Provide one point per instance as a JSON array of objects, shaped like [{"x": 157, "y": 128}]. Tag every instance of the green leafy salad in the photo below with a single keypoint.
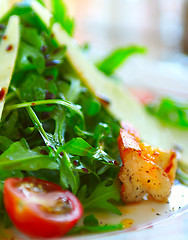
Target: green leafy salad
[{"x": 55, "y": 126}]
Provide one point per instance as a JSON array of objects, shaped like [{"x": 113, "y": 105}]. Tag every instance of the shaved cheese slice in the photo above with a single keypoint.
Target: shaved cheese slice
[
  {"x": 8, "y": 52},
  {"x": 4, "y": 7},
  {"x": 122, "y": 104},
  {"x": 44, "y": 14}
]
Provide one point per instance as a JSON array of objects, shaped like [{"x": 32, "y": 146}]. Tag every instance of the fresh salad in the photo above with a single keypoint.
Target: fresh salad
[{"x": 59, "y": 154}]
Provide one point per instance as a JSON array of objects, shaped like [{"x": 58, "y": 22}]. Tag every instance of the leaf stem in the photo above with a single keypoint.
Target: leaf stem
[
  {"x": 38, "y": 124},
  {"x": 64, "y": 103}
]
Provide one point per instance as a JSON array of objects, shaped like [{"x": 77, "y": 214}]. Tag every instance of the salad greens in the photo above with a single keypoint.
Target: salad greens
[
  {"x": 61, "y": 16},
  {"x": 171, "y": 111},
  {"x": 182, "y": 173},
  {"x": 117, "y": 57},
  {"x": 52, "y": 126},
  {"x": 100, "y": 196},
  {"x": 91, "y": 224}
]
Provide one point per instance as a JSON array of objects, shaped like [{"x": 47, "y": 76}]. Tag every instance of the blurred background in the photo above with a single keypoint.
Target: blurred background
[{"x": 160, "y": 25}]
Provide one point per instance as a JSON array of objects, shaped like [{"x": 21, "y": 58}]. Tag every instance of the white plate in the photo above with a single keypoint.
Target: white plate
[{"x": 149, "y": 220}]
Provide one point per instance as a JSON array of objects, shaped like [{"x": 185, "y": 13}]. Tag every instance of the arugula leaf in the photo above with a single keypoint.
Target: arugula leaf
[
  {"x": 51, "y": 73},
  {"x": 25, "y": 159},
  {"x": 32, "y": 37},
  {"x": 30, "y": 58},
  {"x": 100, "y": 197},
  {"x": 91, "y": 224},
  {"x": 61, "y": 16},
  {"x": 102, "y": 131},
  {"x": 5, "y": 143},
  {"x": 69, "y": 177},
  {"x": 78, "y": 147},
  {"x": 18, "y": 9},
  {"x": 33, "y": 88},
  {"x": 103, "y": 157},
  {"x": 117, "y": 57},
  {"x": 74, "y": 109},
  {"x": 4, "y": 174},
  {"x": 81, "y": 133},
  {"x": 41, "y": 2},
  {"x": 9, "y": 126},
  {"x": 74, "y": 91},
  {"x": 58, "y": 53},
  {"x": 90, "y": 221},
  {"x": 46, "y": 174},
  {"x": 60, "y": 125},
  {"x": 93, "y": 106},
  {"x": 171, "y": 111},
  {"x": 24, "y": 11}
]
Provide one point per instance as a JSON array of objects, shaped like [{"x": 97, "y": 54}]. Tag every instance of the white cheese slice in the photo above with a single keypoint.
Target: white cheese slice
[
  {"x": 4, "y": 5},
  {"x": 122, "y": 104},
  {"x": 44, "y": 14},
  {"x": 8, "y": 52}
]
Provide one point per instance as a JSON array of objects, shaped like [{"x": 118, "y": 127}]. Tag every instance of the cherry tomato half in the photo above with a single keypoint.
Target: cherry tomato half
[{"x": 39, "y": 208}]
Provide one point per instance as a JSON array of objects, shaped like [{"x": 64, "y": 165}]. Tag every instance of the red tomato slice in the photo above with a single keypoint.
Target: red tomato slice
[{"x": 39, "y": 208}]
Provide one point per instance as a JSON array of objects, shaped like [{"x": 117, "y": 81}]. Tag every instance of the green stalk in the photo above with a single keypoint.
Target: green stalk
[
  {"x": 10, "y": 96},
  {"x": 38, "y": 124},
  {"x": 64, "y": 103},
  {"x": 59, "y": 130},
  {"x": 63, "y": 161}
]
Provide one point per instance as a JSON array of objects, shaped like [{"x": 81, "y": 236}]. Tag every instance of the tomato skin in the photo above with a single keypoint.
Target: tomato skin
[{"x": 27, "y": 214}]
